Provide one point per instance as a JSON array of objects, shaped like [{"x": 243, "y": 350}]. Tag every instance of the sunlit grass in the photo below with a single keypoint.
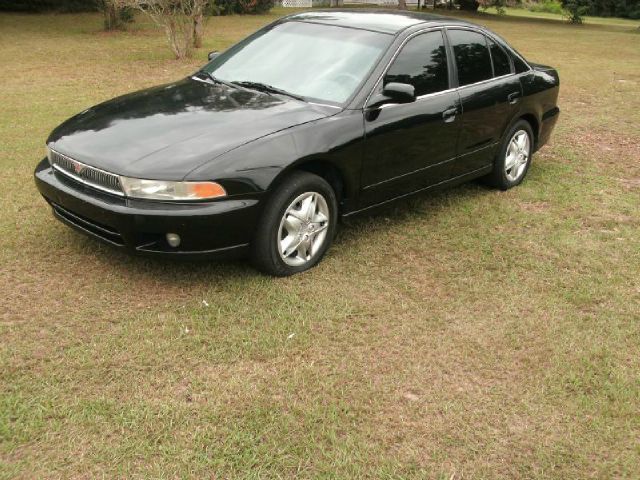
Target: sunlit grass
[{"x": 588, "y": 20}]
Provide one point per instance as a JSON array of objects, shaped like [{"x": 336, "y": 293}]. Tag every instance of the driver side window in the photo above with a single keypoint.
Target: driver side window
[{"x": 422, "y": 62}]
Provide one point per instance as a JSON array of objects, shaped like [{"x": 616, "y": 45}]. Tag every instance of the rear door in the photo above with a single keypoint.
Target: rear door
[
  {"x": 489, "y": 93},
  {"x": 506, "y": 83},
  {"x": 410, "y": 146}
]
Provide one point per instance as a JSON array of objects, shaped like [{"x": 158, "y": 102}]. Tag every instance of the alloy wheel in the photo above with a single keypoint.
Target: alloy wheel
[
  {"x": 303, "y": 228},
  {"x": 517, "y": 155}
]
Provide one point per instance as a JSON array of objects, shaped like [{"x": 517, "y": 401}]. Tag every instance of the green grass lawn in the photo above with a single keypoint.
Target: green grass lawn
[
  {"x": 588, "y": 20},
  {"x": 466, "y": 334}
]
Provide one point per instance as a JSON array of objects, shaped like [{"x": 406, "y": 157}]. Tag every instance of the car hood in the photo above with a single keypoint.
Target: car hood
[{"x": 167, "y": 131}]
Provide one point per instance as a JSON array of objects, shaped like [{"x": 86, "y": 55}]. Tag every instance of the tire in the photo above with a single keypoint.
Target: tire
[
  {"x": 519, "y": 155},
  {"x": 297, "y": 226}
]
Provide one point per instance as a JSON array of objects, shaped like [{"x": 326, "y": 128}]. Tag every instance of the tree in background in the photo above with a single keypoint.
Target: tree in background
[
  {"x": 116, "y": 13},
  {"x": 498, "y": 4},
  {"x": 182, "y": 21},
  {"x": 198, "y": 23},
  {"x": 62, "y": 6},
  {"x": 228, "y": 7},
  {"x": 576, "y": 9},
  {"x": 469, "y": 5},
  {"x": 615, "y": 8}
]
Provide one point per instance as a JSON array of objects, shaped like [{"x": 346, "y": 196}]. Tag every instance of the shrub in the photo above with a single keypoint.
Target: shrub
[
  {"x": 181, "y": 20},
  {"x": 49, "y": 5},
  {"x": 229, "y": 7},
  {"x": 615, "y": 8},
  {"x": 574, "y": 10},
  {"x": 469, "y": 5},
  {"x": 498, "y": 4}
]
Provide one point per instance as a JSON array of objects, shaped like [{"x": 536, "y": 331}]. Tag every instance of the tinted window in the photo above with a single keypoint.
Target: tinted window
[
  {"x": 501, "y": 64},
  {"x": 520, "y": 65},
  {"x": 422, "y": 62},
  {"x": 472, "y": 56}
]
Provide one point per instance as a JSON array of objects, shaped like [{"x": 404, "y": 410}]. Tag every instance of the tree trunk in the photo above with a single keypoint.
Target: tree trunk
[
  {"x": 110, "y": 16},
  {"x": 198, "y": 29},
  {"x": 402, "y": 4}
]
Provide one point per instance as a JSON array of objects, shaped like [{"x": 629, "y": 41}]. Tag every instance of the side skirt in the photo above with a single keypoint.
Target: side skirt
[{"x": 436, "y": 186}]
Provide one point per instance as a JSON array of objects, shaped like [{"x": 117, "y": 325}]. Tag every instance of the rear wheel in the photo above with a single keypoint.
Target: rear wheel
[
  {"x": 297, "y": 227},
  {"x": 514, "y": 157}
]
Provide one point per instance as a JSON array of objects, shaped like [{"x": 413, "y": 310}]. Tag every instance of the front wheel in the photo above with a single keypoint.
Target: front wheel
[
  {"x": 514, "y": 157},
  {"x": 297, "y": 226}
]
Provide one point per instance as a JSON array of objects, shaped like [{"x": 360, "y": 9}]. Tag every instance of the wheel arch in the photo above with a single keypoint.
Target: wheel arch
[
  {"x": 325, "y": 169},
  {"x": 535, "y": 126}
]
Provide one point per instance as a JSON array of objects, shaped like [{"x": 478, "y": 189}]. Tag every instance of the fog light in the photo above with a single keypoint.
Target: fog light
[{"x": 173, "y": 239}]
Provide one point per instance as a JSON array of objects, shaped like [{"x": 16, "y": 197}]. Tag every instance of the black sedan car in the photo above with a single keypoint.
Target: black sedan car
[{"x": 317, "y": 116}]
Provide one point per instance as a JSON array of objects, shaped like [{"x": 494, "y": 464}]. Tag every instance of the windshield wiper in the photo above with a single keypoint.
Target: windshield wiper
[
  {"x": 216, "y": 79},
  {"x": 263, "y": 87}
]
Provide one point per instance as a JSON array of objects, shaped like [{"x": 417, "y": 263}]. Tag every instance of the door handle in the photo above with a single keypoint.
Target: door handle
[
  {"x": 513, "y": 97},
  {"x": 449, "y": 115}
]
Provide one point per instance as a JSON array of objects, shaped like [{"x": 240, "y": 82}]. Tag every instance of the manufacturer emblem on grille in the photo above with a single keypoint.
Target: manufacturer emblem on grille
[
  {"x": 86, "y": 174},
  {"x": 77, "y": 167}
]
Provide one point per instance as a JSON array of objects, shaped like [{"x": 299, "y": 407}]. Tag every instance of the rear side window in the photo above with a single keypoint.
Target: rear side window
[
  {"x": 519, "y": 64},
  {"x": 501, "y": 63},
  {"x": 422, "y": 62},
  {"x": 472, "y": 56}
]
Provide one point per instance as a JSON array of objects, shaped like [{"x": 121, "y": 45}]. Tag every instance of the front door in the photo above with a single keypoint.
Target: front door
[{"x": 410, "y": 146}]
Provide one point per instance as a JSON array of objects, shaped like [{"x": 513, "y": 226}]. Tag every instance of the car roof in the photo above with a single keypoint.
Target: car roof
[{"x": 384, "y": 21}]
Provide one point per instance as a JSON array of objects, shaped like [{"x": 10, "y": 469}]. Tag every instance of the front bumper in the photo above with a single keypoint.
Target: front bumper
[{"x": 222, "y": 228}]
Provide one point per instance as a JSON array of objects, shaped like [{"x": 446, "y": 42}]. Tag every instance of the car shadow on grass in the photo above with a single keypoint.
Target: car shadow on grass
[{"x": 371, "y": 226}]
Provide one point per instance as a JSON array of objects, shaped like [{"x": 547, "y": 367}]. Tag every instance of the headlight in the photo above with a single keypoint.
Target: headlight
[
  {"x": 159, "y": 190},
  {"x": 49, "y": 154}
]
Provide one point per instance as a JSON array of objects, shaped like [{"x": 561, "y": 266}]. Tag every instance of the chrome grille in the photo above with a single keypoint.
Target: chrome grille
[{"x": 86, "y": 174}]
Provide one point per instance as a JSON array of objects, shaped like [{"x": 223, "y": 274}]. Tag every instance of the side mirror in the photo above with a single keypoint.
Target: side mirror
[
  {"x": 394, "y": 92},
  {"x": 213, "y": 54}
]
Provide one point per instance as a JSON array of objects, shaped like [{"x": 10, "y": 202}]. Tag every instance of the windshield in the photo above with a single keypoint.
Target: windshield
[{"x": 318, "y": 62}]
